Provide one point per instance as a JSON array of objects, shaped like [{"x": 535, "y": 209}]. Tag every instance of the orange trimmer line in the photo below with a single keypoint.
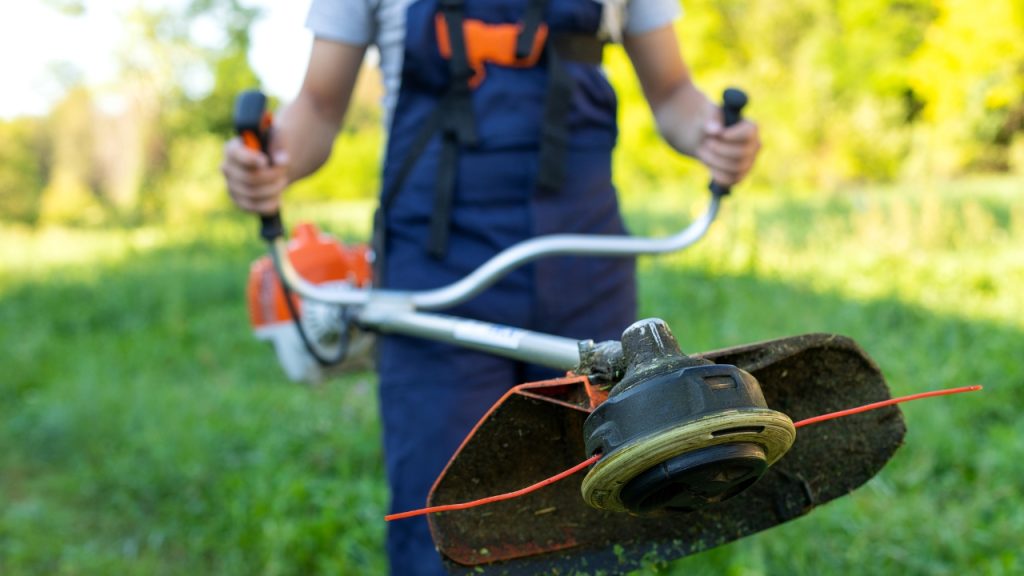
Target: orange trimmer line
[
  {"x": 507, "y": 496},
  {"x": 593, "y": 459},
  {"x": 883, "y": 404}
]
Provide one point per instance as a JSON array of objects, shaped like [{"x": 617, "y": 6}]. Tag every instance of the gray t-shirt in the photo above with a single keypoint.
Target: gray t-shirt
[{"x": 382, "y": 23}]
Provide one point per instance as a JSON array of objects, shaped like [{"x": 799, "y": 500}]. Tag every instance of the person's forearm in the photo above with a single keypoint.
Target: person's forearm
[
  {"x": 686, "y": 119},
  {"x": 681, "y": 115},
  {"x": 308, "y": 130},
  {"x": 307, "y": 127},
  {"x": 680, "y": 109}
]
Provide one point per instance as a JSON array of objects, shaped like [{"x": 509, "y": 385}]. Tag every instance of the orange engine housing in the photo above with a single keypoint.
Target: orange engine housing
[{"x": 318, "y": 258}]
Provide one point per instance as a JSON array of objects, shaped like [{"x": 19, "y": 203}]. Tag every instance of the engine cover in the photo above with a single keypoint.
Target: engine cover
[{"x": 320, "y": 259}]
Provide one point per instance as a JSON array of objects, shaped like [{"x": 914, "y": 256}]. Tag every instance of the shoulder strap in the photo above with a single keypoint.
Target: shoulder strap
[
  {"x": 555, "y": 127},
  {"x": 457, "y": 127},
  {"x": 532, "y": 19},
  {"x": 453, "y": 118}
]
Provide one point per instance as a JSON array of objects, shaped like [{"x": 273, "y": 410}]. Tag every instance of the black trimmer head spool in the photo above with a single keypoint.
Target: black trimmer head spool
[
  {"x": 696, "y": 479},
  {"x": 678, "y": 433}
]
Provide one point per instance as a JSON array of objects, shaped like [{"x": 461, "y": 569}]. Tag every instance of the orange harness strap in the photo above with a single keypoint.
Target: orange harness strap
[{"x": 490, "y": 44}]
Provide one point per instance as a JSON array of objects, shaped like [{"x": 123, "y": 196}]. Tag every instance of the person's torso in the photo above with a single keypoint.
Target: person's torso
[
  {"x": 509, "y": 104},
  {"x": 410, "y": 59}
]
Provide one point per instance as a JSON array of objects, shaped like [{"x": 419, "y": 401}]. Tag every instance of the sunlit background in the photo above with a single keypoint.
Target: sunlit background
[
  {"x": 51, "y": 43},
  {"x": 144, "y": 431}
]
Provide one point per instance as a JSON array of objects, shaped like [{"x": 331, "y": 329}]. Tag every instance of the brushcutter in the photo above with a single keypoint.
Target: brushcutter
[{"x": 690, "y": 451}]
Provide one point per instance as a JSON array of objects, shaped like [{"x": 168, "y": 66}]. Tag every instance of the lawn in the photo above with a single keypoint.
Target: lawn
[{"x": 144, "y": 431}]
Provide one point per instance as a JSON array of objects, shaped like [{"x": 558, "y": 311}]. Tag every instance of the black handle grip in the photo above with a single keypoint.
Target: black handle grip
[
  {"x": 252, "y": 124},
  {"x": 733, "y": 101}
]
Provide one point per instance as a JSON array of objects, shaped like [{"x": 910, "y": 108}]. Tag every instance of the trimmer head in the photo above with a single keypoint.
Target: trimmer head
[
  {"x": 537, "y": 430},
  {"x": 678, "y": 433},
  {"x": 696, "y": 479}
]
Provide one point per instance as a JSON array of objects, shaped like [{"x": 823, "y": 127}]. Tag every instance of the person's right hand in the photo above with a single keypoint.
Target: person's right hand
[{"x": 255, "y": 185}]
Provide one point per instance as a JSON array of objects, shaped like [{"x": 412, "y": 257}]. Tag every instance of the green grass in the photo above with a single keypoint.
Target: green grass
[{"x": 143, "y": 430}]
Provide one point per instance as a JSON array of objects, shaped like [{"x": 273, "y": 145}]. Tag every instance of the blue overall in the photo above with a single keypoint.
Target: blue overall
[{"x": 432, "y": 394}]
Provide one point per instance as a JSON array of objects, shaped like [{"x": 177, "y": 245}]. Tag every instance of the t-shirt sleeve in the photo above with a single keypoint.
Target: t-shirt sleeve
[
  {"x": 646, "y": 15},
  {"x": 348, "y": 21}
]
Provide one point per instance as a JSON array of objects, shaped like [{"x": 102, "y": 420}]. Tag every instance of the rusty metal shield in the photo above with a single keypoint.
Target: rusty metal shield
[{"x": 536, "y": 430}]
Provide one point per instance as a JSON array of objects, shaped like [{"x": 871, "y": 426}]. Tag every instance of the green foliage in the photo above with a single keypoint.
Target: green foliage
[
  {"x": 144, "y": 431},
  {"x": 828, "y": 84},
  {"x": 925, "y": 281},
  {"x": 147, "y": 432},
  {"x": 192, "y": 186},
  {"x": 849, "y": 92},
  {"x": 168, "y": 60},
  {"x": 228, "y": 64},
  {"x": 24, "y": 160},
  {"x": 116, "y": 149},
  {"x": 846, "y": 93},
  {"x": 212, "y": 114},
  {"x": 970, "y": 73},
  {"x": 69, "y": 196}
]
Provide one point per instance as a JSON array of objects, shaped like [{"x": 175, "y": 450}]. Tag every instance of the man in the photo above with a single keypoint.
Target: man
[{"x": 501, "y": 128}]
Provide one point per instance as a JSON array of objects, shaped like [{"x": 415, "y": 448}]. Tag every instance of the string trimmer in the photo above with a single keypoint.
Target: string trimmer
[{"x": 688, "y": 451}]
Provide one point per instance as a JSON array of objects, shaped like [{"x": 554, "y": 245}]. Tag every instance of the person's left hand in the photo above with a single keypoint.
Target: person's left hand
[{"x": 729, "y": 152}]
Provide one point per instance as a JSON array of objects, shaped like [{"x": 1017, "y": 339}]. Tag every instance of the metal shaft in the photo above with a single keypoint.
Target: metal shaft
[{"x": 533, "y": 347}]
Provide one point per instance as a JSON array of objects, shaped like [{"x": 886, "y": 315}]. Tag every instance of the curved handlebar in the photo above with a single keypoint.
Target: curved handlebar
[
  {"x": 499, "y": 265},
  {"x": 519, "y": 254}
]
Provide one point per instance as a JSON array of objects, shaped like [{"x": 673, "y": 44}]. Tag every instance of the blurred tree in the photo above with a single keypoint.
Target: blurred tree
[
  {"x": 123, "y": 149},
  {"x": 229, "y": 63},
  {"x": 181, "y": 67},
  {"x": 969, "y": 71},
  {"x": 828, "y": 81},
  {"x": 845, "y": 91},
  {"x": 24, "y": 163},
  {"x": 70, "y": 196}
]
